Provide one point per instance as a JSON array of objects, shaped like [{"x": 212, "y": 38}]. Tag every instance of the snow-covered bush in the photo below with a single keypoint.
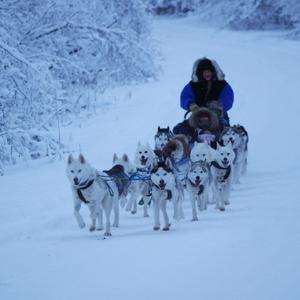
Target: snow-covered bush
[
  {"x": 237, "y": 14},
  {"x": 170, "y": 7},
  {"x": 54, "y": 53}
]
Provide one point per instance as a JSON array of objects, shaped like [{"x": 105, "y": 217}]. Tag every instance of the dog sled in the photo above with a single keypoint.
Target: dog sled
[{"x": 203, "y": 126}]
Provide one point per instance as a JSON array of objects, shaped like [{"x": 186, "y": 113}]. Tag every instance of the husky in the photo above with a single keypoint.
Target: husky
[
  {"x": 162, "y": 136},
  {"x": 221, "y": 169},
  {"x": 232, "y": 135},
  {"x": 244, "y": 146},
  {"x": 198, "y": 186},
  {"x": 163, "y": 189},
  {"x": 98, "y": 194},
  {"x": 178, "y": 151},
  {"x": 202, "y": 152},
  {"x": 140, "y": 185},
  {"x": 129, "y": 170}
]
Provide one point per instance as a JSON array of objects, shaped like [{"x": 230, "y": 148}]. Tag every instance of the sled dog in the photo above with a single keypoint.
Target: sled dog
[
  {"x": 140, "y": 186},
  {"x": 198, "y": 186},
  {"x": 129, "y": 170},
  {"x": 177, "y": 150},
  {"x": 93, "y": 191},
  {"x": 221, "y": 169},
  {"x": 162, "y": 136},
  {"x": 202, "y": 152},
  {"x": 244, "y": 146},
  {"x": 232, "y": 135},
  {"x": 163, "y": 189}
]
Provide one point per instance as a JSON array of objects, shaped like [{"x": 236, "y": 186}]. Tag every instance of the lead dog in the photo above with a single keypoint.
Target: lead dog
[
  {"x": 198, "y": 187},
  {"x": 163, "y": 189},
  {"x": 93, "y": 191},
  {"x": 140, "y": 186},
  {"x": 221, "y": 169}
]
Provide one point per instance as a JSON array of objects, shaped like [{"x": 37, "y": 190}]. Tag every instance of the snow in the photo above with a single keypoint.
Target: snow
[{"x": 250, "y": 251}]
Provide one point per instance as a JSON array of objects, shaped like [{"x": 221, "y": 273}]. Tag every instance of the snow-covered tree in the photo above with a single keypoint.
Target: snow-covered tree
[{"x": 51, "y": 51}]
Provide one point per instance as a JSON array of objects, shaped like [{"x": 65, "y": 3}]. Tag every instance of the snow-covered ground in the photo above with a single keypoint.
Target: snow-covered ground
[{"x": 250, "y": 251}]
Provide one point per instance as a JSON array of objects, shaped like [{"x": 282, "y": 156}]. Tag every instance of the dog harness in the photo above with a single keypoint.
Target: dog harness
[
  {"x": 84, "y": 186},
  {"x": 228, "y": 170}
]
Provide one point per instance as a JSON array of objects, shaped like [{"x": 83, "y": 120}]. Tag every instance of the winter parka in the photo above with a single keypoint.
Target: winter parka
[{"x": 196, "y": 90}]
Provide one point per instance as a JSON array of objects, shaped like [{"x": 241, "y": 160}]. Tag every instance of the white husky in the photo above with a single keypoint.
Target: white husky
[
  {"x": 163, "y": 189},
  {"x": 202, "y": 152},
  {"x": 140, "y": 185},
  {"x": 95, "y": 192},
  {"x": 198, "y": 186},
  {"x": 221, "y": 169}
]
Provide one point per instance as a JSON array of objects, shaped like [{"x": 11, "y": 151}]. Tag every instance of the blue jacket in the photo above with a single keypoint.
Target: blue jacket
[{"x": 188, "y": 97}]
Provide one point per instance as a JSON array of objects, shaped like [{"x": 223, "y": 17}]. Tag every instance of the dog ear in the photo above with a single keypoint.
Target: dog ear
[
  {"x": 158, "y": 128},
  {"x": 81, "y": 158},
  {"x": 155, "y": 163},
  {"x": 115, "y": 157},
  {"x": 70, "y": 159},
  {"x": 125, "y": 157},
  {"x": 168, "y": 163}
]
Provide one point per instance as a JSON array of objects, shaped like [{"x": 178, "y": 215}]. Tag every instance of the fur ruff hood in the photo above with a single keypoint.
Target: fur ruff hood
[
  {"x": 194, "y": 119},
  {"x": 218, "y": 71}
]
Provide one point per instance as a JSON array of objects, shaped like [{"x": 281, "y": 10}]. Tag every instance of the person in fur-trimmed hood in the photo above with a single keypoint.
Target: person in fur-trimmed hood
[{"x": 208, "y": 85}]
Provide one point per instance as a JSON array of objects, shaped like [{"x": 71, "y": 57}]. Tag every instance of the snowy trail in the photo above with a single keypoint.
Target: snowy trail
[{"x": 251, "y": 251}]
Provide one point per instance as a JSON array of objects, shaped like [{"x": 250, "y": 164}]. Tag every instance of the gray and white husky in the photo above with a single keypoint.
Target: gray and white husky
[
  {"x": 198, "y": 187},
  {"x": 221, "y": 169},
  {"x": 162, "y": 136},
  {"x": 244, "y": 146},
  {"x": 163, "y": 189},
  {"x": 234, "y": 136},
  {"x": 177, "y": 150},
  {"x": 93, "y": 191}
]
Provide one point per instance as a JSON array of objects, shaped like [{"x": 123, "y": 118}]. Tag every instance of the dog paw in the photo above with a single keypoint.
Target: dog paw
[
  {"x": 166, "y": 228},
  {"x": 222, "y": 208},
  {"x": 146, "y": 215},
  {"x": 115, "y": 225},
  {"x": 195, "y": 219},
  {"x": 107, "y": 234},
  {"x": 81, "y": 225},
  {"x": 99, "y": 228},
  {"x": 156, "y": 228},
  {"x": 227, "y": 203},
  {"x": 133, "y": 212},
  {"x": 92, "y": 228}
]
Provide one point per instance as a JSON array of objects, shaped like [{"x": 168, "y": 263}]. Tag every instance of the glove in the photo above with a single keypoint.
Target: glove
[{"x": 194, "y": 107}]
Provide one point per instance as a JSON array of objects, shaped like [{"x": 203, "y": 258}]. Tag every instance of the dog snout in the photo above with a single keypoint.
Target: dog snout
[
  {"x": 225, "y": 159},
  {"x": 76, "y": 181},
  {"x": 231, "y": 140},
  {"x": 161, "y": 182},
  {"x": 197, "y": 178}
]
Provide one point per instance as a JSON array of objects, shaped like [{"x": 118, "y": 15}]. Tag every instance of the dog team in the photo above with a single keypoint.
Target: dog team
[{"x": 169, "y": 173}]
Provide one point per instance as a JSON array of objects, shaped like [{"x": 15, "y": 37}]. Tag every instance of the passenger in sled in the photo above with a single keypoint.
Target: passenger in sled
[{"x": 208, "y": 97}]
